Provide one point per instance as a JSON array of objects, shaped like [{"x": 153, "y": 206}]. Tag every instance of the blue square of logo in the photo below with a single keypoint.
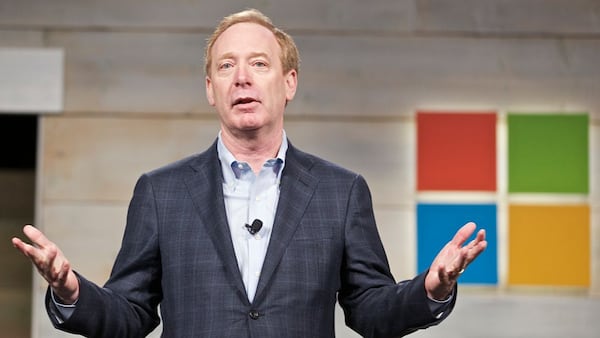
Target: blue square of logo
[{"x": 436, "y": 226}]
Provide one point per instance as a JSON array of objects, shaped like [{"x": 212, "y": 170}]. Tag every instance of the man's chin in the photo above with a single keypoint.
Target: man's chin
[
  {"x": 250, "y": 122},
  {"x": 248, "y": 129}
]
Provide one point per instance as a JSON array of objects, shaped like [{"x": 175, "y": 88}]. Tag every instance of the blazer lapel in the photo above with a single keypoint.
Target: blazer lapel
[
  {"x": 206, "y": 190},
  {"x": 297, "y": 188}
]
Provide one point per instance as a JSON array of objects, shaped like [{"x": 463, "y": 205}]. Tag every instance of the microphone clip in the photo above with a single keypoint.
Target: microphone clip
[{"x": 254, "y": 227}]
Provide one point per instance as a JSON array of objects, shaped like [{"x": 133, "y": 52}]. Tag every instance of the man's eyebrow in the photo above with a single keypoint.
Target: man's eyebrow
[
  {"x": 231, "y": 55},
  {"x": 228, "y": 55},
  {"x": 260, "y": 54}
]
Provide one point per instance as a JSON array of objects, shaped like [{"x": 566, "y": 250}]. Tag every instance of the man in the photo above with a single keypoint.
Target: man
[{"x": 251, "y": 238}]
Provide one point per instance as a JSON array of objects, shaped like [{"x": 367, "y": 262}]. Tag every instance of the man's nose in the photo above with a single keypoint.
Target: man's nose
[{"x": 243, "y": 77}]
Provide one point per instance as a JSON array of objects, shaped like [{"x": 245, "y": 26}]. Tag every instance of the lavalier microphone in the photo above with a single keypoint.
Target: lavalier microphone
[{"x": 255, "y": 227}]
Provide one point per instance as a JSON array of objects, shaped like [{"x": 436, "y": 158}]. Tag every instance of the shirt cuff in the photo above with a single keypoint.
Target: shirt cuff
[
  {"x": 438, "y": 307},
  {"x": 63, "y": 311}
]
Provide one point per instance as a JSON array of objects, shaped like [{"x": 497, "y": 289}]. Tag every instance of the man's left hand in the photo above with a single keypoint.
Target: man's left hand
[{"x": 452, "y": 261}]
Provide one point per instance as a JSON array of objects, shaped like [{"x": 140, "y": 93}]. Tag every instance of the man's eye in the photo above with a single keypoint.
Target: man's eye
[
  {"x": 260, "y": 64},
  {"x": 225, "y": 65}
]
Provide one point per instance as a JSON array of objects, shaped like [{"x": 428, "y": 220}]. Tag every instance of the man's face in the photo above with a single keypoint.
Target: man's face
[{"x": 246, "y": 84}]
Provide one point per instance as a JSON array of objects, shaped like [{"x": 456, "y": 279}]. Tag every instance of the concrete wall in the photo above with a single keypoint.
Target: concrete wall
[
  {"x": 16, "y": 208},
  {"x": 134, "y": 96}
]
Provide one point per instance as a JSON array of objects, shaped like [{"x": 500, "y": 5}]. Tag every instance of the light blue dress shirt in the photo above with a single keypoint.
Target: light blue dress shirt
[{"x": 249, "y": 196}]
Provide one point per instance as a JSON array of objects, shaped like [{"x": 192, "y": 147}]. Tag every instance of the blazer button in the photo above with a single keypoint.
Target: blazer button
[{"x": 254, "y": 314}]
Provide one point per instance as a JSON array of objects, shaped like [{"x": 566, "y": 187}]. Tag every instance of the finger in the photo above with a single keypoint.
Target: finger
[
  {"x": 463, "y": 234},
  {"x": 474, "y": 252},
  {"x": 44, "y": 259},
  {"x": 63, "y": 273},
  {"x": 52, "y": 261},
  {"x": 449, "y": 275},
  {"x": 453, "y": 265},
  {"x": 26, "y": 249},
  {"x": 443, "y": 274},
  {"x": 480, "y": 235},
  {"x": 53, "y": 269},
  {"x": 36, "y": 236},
  {"x": 479, "y": 238},
  {"x": 460, "y": 262}
]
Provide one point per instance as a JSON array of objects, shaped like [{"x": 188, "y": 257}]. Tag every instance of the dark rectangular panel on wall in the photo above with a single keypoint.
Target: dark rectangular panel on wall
[{"x": 18, "y": 141}]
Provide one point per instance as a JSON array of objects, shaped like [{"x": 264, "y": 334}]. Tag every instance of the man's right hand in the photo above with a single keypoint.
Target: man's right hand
[{"x": 51, "y": 263}]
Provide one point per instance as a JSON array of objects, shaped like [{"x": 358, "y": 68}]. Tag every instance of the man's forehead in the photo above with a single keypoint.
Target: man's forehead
[{"x": 240, "y": 34}]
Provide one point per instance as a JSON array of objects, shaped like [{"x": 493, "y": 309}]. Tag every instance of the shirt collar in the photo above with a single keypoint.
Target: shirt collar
[{"x": 228, "y": 161}]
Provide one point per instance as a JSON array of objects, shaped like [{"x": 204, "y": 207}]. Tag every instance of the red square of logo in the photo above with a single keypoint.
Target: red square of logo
[{"x": 456, "y": 151}]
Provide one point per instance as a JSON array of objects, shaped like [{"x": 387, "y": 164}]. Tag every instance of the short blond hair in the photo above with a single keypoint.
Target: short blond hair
[{"x": 290, "y": 58}]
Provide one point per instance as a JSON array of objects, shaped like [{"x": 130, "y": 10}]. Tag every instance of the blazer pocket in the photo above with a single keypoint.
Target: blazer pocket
[{"x": 313, "y": 233}]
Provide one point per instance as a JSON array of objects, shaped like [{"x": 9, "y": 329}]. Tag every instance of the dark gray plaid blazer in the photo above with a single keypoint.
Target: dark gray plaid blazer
[{"x": 177, "y": 252}]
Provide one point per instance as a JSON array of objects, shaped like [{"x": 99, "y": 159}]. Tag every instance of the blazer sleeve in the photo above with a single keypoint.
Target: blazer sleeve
[
  {"x": 374, "y": 304},
  {"x": 127, "y": 305}
]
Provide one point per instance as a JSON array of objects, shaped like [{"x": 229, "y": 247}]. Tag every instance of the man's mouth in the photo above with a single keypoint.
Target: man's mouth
[{"x": 244, "y": 100}]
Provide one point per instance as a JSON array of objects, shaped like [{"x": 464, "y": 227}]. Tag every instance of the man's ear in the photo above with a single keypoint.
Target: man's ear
[
  {"x": 291, "y": 83},
  {"x": 209, "y": 91}
]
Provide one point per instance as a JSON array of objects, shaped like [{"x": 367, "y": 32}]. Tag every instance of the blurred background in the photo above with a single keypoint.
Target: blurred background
[{"x": 454, "y": 111}]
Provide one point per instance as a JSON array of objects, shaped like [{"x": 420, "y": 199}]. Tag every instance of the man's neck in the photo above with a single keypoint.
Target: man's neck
[{"x": 253, "y": 149}]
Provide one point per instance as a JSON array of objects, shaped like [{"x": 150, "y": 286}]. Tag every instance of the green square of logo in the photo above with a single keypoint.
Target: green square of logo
[{"x": 548, "y": 153}]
